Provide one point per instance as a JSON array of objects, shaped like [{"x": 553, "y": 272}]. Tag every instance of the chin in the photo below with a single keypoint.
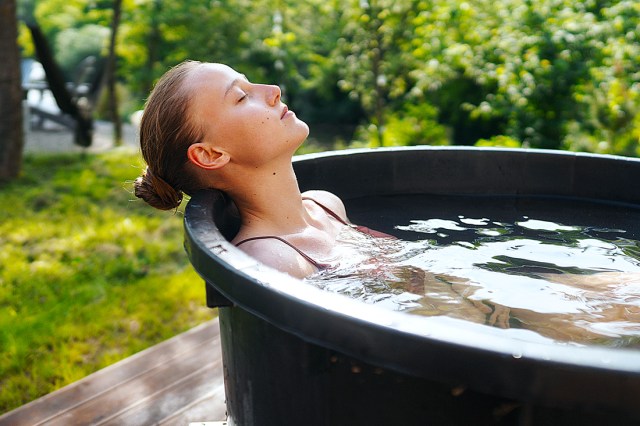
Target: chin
[
  {"x": 303, "y": 124},
  {"x": 304, "y": 129}
]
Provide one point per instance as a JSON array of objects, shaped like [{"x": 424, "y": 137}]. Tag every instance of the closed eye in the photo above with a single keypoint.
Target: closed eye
[{"x": 242, "y": 98}]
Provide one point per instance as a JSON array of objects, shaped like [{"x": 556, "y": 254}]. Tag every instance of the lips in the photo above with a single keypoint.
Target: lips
[{"x": 285, "y": 110}]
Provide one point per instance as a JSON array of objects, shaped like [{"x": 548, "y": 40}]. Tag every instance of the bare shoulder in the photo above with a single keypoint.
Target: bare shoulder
[
  {"x": 329, "y": 200},
  {"x": 278, "y": 255}
]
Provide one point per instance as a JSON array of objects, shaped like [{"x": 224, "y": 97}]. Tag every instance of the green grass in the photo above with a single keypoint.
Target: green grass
[{"x": 88, "y": 274}]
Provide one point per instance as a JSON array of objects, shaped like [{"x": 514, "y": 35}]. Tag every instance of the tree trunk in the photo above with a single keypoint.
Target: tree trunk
[
  {"x": 153, "y": 43},
  {"x": 11, "y": 133},
  {"x": 111, "y": 75},
  {"x": 83, "y": 134}
]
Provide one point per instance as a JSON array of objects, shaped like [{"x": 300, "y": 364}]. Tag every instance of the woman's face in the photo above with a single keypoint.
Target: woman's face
[{"x": 247, "y": 120}]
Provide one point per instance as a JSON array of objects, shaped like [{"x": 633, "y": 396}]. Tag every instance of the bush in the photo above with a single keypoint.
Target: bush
[
  {"x": 414, "y": 125},
  {"x": 499, "y": 141}
]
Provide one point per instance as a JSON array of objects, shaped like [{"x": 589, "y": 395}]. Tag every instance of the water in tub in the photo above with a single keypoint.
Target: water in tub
[{"x": 571, "y": 282}]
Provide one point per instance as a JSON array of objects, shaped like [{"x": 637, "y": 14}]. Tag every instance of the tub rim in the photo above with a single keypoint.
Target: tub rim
[{"x": 374, "y": 334}]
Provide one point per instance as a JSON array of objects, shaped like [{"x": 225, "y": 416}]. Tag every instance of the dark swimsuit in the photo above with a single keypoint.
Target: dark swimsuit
[{"x": 331, "y": 213}]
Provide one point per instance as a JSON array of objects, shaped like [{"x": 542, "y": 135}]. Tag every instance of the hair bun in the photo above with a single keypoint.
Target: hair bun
[{"x": 156, "y": 191}]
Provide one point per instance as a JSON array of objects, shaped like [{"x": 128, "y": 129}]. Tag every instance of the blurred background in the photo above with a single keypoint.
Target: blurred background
[{"x": 545, "y": 74}]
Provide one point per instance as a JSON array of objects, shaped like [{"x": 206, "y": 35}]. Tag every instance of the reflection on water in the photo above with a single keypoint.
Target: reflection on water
[{"x": 568, "y": 282}]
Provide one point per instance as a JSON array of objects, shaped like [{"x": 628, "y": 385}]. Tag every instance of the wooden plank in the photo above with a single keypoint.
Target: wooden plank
[
  {"x": 95, "y": 410},
  {"x": 210, "y": 406},
  {"x": 178, "y": 399},
  {"x": 123, "y": 382}
]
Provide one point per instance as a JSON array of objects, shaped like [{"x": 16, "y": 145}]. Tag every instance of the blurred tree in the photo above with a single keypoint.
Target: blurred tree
[
  {"x": 110, "y": 74},
  {"x": 70, "y": 45},
  {"x": 373, "y": 64},
  {"x": 299, "y": 53},
  {"x": 529, "y": 70},
  {"x": 68, "y": 100},
  {"x": 158, "y": 34},
  {"x": 11, "y": 130},
  {"x": 73, "y": 45},
  {"x": 548, "y": 74}
]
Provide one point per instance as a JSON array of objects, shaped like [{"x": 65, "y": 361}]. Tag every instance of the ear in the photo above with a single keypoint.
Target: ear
[{"x": 207, "y": 157}]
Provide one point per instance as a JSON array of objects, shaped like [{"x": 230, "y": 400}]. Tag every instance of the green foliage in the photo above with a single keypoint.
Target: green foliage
[
  {"x": 549, "y": 73},
  {"x": 55, "y": 16},
  {"x": 75, "y": 44},
  {"x": 499, "y": 141},
  {"x": 537, "y": 65},
  {"x": 612, "y": 122},
  {"x": 88, "y": 276},
  {"x": 416, "y": 125},
  {"x": 371, "y": 55}
]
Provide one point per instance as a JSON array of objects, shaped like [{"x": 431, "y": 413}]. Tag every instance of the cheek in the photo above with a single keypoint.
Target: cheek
[
  {"x": 233, "y": 128},
  {"x": 251, "y": 119},
  {"x": 261, "y": 125}
]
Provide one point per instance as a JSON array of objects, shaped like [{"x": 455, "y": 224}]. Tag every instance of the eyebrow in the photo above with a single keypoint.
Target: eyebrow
[{"x": 234, "y": 83}]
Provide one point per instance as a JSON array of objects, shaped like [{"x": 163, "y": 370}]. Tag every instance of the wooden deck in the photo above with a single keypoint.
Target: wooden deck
[{"x": 173, "y": 383}]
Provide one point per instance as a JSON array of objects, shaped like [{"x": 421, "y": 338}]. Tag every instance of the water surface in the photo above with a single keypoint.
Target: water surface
[{"x": 567, "y": 270}]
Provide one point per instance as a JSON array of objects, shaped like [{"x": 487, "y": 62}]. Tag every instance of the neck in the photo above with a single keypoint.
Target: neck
[{"x": 269, "y": 200}]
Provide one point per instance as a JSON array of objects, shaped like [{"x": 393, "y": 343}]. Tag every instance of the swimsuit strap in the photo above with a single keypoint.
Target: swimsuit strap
[
  {"x": 300, "y": 252},
  {"x": 333, "y": 214},
  {"x": 329, "y": 211},
  {"x": 363, "y": 229}
]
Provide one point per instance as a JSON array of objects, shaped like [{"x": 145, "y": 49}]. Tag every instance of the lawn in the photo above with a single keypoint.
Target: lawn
[{"x": 89, "y": 274}]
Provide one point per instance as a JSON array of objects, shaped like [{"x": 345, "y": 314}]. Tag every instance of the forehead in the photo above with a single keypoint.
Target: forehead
[
  {"x": 211, "y": 78},
  {"x": 207, "y": 85}
]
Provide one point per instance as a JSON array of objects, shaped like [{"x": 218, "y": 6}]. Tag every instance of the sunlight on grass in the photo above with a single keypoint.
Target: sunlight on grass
[{"x": 88, "y": 274}]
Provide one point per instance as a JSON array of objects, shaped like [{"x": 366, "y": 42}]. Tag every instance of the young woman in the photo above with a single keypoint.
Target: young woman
[{"x": 206, "y": 126}]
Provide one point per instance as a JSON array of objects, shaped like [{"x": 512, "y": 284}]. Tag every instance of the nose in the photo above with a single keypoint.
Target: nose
[{"x": 273, "y": 95}]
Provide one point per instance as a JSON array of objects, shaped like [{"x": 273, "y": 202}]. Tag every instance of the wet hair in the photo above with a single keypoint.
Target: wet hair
[{"x": 166, "y": 132}]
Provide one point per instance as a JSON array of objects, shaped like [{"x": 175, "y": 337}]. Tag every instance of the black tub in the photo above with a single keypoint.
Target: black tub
[{"x": 295, "y": 355}]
